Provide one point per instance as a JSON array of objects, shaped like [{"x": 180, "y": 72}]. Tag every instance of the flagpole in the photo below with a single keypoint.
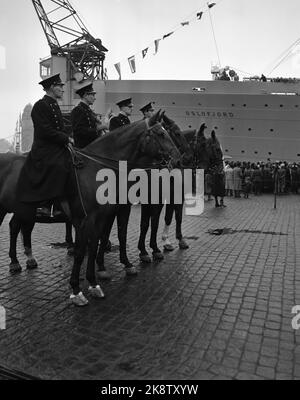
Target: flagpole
[{"x": 212, "y": 27}]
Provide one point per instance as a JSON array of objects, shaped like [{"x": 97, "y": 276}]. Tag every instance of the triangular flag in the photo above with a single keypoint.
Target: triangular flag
[
  {"x": 156, "y": 43},
  {"x": 118, "y": 68},
  {"x": 199, "y": 14},
  {"x": 185, "y": 23},
  {"x": 144, "y": 52},
  {"x": 211, "y": 5},
  {"x": 131, "y": 61},
  {"x": 167, "y": 35}
]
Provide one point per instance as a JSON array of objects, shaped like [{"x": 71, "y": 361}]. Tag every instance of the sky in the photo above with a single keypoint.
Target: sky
[{"x": 250, "y": 36}]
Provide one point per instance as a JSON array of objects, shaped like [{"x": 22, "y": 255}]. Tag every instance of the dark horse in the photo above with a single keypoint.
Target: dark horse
[
  {"x": 192, "y": 145},
  {"x": 152, "y": 212},
  {"x": 142, "y": 144},
  {"x": 216, "y": 169}
]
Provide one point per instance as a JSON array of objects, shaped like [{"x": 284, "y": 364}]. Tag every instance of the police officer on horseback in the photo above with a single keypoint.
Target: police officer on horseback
[
  {"x": 125, "y": 112},
  {"x": 87, "y": 126},
  {"x": 147, "y": 110},
  {"x": 46, "y": 171}
]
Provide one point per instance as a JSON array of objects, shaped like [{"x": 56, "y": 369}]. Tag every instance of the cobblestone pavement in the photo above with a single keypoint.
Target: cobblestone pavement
[{"x": 220, "y": 310}]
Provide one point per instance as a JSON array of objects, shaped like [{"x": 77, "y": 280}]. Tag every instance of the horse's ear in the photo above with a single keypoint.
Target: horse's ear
[
  {"x": 167, "y": 120},
  {"x": 153, "y": 120}
]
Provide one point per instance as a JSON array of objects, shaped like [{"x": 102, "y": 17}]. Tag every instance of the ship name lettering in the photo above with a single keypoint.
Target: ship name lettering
[{"x": 218, "y": 114}]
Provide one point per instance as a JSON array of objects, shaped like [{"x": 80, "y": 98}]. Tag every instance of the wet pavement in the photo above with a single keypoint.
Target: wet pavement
[{"x": 219, "y": 310}]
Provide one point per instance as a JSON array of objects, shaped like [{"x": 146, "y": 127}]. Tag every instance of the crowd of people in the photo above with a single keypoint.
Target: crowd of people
[{"x": 243, "y": 178}]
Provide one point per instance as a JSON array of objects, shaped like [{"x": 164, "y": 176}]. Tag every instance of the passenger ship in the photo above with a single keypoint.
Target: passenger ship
[{"x": 254, "y": 120}]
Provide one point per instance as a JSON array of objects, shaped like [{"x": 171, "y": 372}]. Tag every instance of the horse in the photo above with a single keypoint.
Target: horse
[
  {"x": 144, "y": 145},
  {"x": 216, "y": 169},
  {"x": 192, "y": 145}
]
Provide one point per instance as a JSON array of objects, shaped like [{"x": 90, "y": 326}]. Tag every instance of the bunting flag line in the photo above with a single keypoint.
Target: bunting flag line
[
  {"x": 131, "y": 61},
  {"x": 156, "y": 44},
  {"x": 118, "y": 68},
  {"x": 144, "y": 52},
  {"x": 167, "y": 35}
]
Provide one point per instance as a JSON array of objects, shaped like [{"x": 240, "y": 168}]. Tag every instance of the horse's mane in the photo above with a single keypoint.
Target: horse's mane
[{"x": 116, "y": 133}]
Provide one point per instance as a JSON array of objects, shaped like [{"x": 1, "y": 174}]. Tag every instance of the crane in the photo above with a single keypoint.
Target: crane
[{"x": 68, "y": 37}]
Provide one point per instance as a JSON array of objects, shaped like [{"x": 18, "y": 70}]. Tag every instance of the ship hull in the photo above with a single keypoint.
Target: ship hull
[{"x": 254, "y": 121}]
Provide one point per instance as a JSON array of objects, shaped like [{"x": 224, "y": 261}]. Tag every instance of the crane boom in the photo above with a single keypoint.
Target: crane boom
[{"x": 68, "y": 36}]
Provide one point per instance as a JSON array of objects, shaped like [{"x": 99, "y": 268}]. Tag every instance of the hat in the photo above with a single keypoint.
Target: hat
[
  {"x": 124, "y": 103},
  {"x": 147, "y": 107},
  {"x": 86, "y": 87},
  {"x": 51, "y": 80}
]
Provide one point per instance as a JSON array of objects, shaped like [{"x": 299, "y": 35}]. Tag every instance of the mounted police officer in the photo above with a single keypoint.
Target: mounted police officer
[
  {"x": 147, "y": 110},
  {"x": 45, "y": 173},
  {"x": 125, "y": 112},
  {"x": 86, "y": 125}
]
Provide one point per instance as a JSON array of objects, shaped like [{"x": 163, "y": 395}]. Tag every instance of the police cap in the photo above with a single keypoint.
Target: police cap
[
  {"x": 147, "y": 107},
  {"x": 125, "y": 103},
  {"x": 85, "y": 88},
  {"x": 51, "y": 80}
]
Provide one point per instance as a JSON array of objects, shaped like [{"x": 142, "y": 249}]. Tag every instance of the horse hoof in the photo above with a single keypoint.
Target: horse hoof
[
  {"x": 14, "y": 268},
  {"x": 79, "y": 300},
  {"x": 102, "y": 274},
  {"x": 158, "y": 256},
  {"x": 96, "y": 292},
  {"x": 183, "y": 244},
  {"x": 31, "y": 264},
  {"x": 168, "y": 247},
  {"x": 145, "y": 258},
  {"x": 131, "y": 271}
]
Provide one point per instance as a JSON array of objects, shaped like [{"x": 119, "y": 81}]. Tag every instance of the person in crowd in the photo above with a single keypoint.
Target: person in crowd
[
  {"x": 229, "y": 185},
  {"x": 237, "y": 179}
]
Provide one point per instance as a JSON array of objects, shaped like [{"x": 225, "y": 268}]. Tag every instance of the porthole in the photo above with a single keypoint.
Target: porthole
[
  {"x": 281, "y": 105},
  {"x": 174, "y": 102},
  {"x": 215, "y": 127},
  {"x": 296, "y": 106},
  {"x": 244, "y": 105},
  {"x": 232, "y": 105},
  {"x": 232, "y": 129},
  {"x": 266, "y": 105},
  {"x": 270, "y": 153},
  {"x": 243, "y": 151},
  {"x": 298, "y": 155},
  {"x": 199, "y": 104},
  {"x": 256, "y": 152},
  {"x": 272, "y": 130},
  {"x": 190, "y": 126},
  {"x": 226, "y": 150},
  {"x": 250, "y": 129}
]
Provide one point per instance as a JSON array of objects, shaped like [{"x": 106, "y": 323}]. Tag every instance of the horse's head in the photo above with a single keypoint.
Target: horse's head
[
  {"x": 214, "y": 150},
  {"x": 157, "y": 143},
  {"x": 198, "y": 143},
  {"x": 179, "y": 140}
]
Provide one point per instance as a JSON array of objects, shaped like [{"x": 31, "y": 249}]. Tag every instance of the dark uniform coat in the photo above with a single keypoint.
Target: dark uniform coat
[
  {"x": 117, "y": 122},
  {"x": 84, "y": 125},
  {"x": 46, "y": 170}
]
